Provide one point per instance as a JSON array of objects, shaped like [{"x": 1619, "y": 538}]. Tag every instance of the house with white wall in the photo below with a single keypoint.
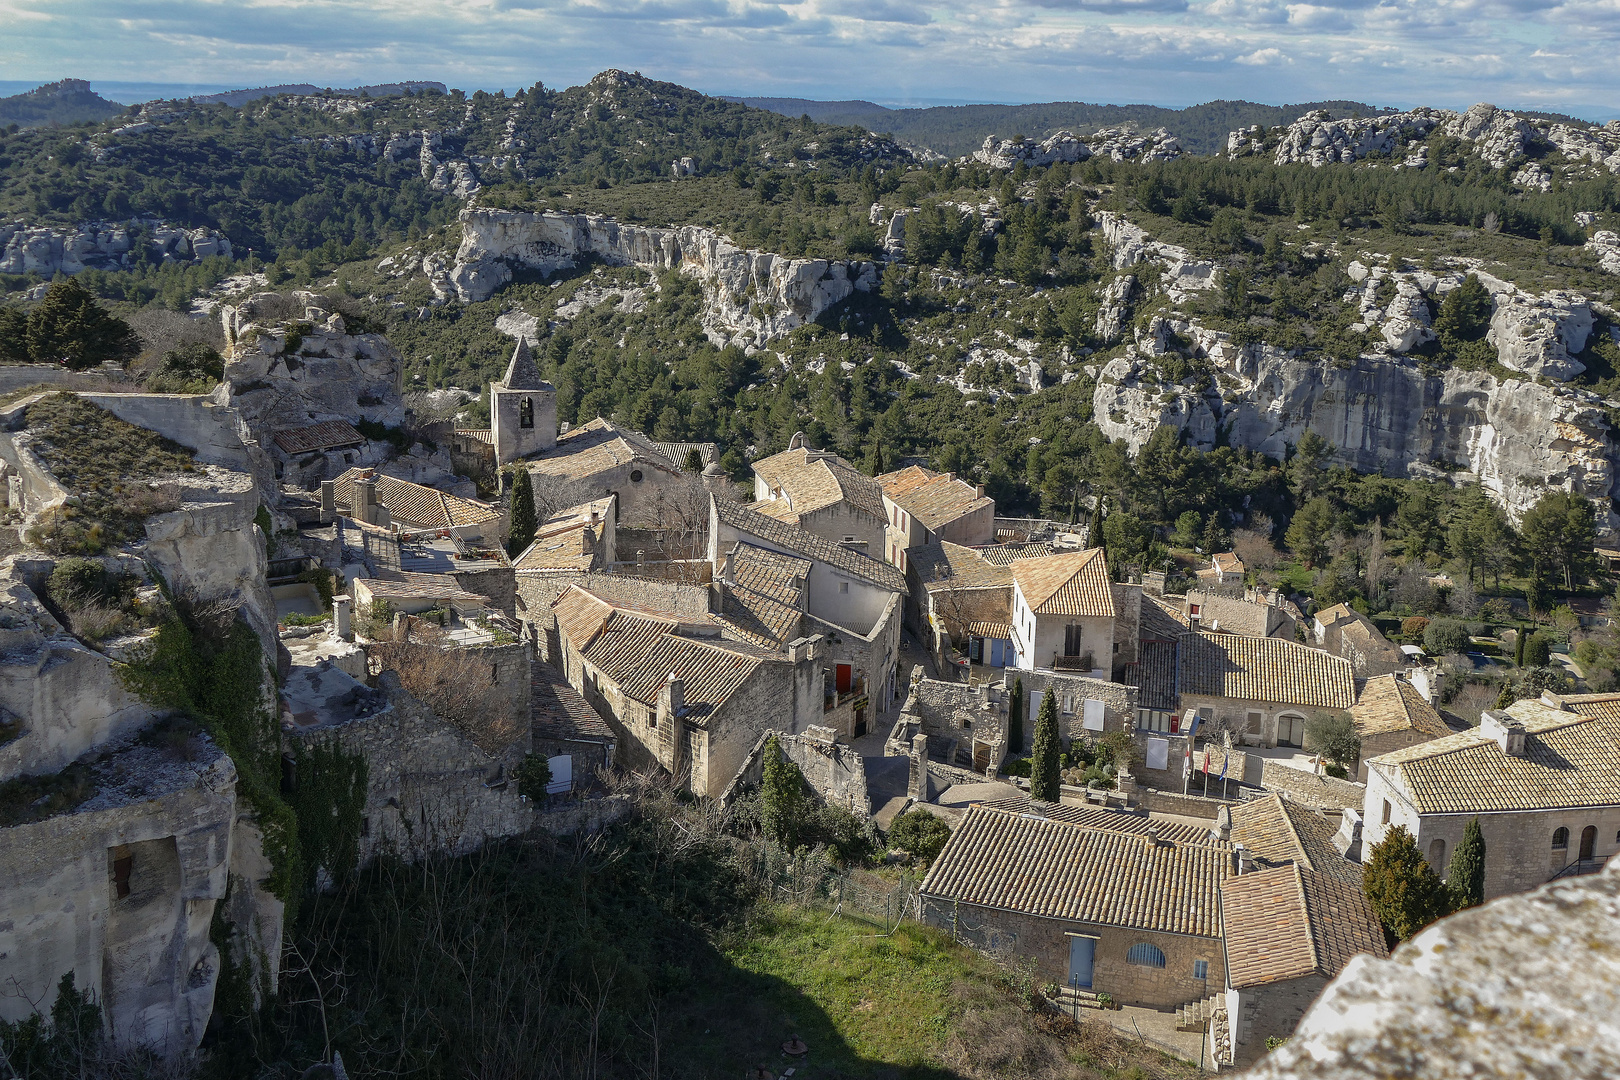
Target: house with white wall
[
  {"x": 925, "y": 507},
  {"x": 821, "y": 493},
  {"x": 1063, "y": 613}
]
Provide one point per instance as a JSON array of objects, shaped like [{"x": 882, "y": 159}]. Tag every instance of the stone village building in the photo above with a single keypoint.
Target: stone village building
[
  {"x": 821, "y": 493},
  {"x": 924, "y": 507},
  {"x": 1542, "y": 776}
]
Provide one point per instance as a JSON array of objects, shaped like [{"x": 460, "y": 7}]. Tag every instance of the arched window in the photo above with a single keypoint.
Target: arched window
[
  {"x": 1588, "y": 842},
  {"x": 1437, "y": 857},
  {"x": 1560, "y": 838},
  {"x": 526, "y": 413},
  {"x": 1144, "y": 955}
]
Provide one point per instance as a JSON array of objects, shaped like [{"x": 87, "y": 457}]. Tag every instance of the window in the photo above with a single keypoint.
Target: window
[
  {"x": 526, "y": 413},
  {"x": 843, "y": 586},
  {"x": 635, "y": 476},
  {"x": 1200, "y": 969},
  {"x": 849, "y": 539},
  {"x": 1255, "y": 720},
  {"x": 1560, "y": 838},
  {"x": 1068, "y": 704},
  {"x": 1071, "y": 640},
  {"x": 1437, "y": 857},
  {"x": 1144, "y": 955},
  {"x": 1386, "y": 822},
  {"x": 123, "y": 865}
]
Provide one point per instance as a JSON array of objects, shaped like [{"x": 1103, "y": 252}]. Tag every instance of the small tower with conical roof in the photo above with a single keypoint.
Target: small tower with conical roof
[{"x": 522, "y": 409}]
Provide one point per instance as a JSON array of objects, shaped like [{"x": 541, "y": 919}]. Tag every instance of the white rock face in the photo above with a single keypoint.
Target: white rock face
[
  {"x": 278, "y": 381},
  {"x": 1382, "y": 413},
  {"x": 1606, "y": 245},
  {"x": 1131, "y": 245},
  {"x": 1316, "y": 140},
  {"x": 1123, "y": 144},
  {"x": 1524, "y": 986},
  {"x": 1115, "y": 305},
  {"x": 750, "y": 296},
  {"x": 104, "y": 245},
  {"x": 1539, "y": 335}
]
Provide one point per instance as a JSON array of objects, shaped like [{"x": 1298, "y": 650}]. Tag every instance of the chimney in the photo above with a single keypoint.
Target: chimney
[
  {"x": 978, "y": 491},
  {"x": 328, "y": 500},
  {"x": 1153, "y": 836},
  {"x": 365, "y": 499},
  {"x": 587, "y": 539},
  {"x": 1242, "y": 860},
  {"x": 1223, "y": 823},
  {"x": 1507, "y": 731},
  {"x": 677, "y": 694},
  {"x": 343, "y": 617}
]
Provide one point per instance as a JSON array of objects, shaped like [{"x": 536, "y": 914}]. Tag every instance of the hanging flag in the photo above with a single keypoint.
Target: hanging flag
[
  {"x": 1206, "y": 764},
  {"x": 1225, "y": 761}
]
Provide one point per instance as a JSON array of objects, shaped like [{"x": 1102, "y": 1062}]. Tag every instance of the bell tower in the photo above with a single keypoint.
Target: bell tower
[{"x": 522, "y": 409}]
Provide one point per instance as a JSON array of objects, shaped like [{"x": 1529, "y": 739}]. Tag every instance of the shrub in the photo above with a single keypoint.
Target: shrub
[
  {"x": 191, "y": 369},
  {"x": 1537, "y": 650},
  {"x": 1333, "y": 735},
  {"x": 1445, "y": 636},
  {"x": 1412, "y": 627},
  {"x": 1405, "y": 892},
  {"x": 533, "y": 774},
  {"x": 920, "y": 833},
  {"x": 1016, "y": 767}
]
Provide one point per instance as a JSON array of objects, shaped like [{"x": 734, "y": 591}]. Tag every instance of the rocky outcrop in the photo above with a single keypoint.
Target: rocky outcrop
[
  {"x": 1606, "y": 246},
  {"x": 1115, "y": 307},
  {"x": 1383, "y": 414},
  {"x": 282, "y": 374},
  {"x": 102, "y": 245},
  {"x": 749, "y": 296},
  {"x": 1499, "y": 137},
  {"x": 1120, "y": 144},
  {"x": 1130, "y": 244}
]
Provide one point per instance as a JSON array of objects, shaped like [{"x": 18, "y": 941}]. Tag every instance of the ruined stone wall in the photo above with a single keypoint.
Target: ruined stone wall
[
  {"x": 431, "y": 788},
  {"x": 1127, "y": 627},
  {"x": 835, "y": 772},
  {"x": 873, "y": 655},
  {"x": 484, "y": 691},
  {"x": 1302, "y": 787},
  {"x": 1119, "y": 702}
]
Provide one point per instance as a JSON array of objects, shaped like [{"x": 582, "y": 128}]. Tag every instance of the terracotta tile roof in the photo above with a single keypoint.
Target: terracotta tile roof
[
  {"x": 759, "y": 619},
  {"x": 1263, "y": 669},
  {"x": 1390, "y": 703},
  {"x": 1277, "y": 831},
  {"x": 1098, "y": 817},
  {"x": 403, "y": 585},
  {"x": 708, "y": 453},
  {"x": 984, "y": 629},
  {"x": 815, "y": 479},
  {"x": 1007, "y": 554},
  {"x": 1603, "y": 706},
  {"x": 1569, "y": 760},
  {"x": 559, "y": 541},
  {"x": 935, "y": 499},
  {"x": 1074, "y": 583},
  {"x": 1335, "y": 614},
  {"x": 596, "y": 447},
  {"x": 769, "y": 573},
  {"x": 1164, "y": 618},
  {"x": 413, "y": 505},
  {"x": 808, "y": 545},
  {"x": 559, "y": 712},
  {"x": 638, "y": 651},
  {"x": 944, "y": 565},
  {"x": 1226, "y": 562},
  {"x": 318, "y": 437},
  {"x": 1290, "y": 922},
  {"x": 1155, "y": 675},
  {"x": 1059, "y": 870},
  {"x": 483, "y": 435}
]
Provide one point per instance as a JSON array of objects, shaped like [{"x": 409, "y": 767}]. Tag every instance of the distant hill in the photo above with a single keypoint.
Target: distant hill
[
  {"x": 955, "y": 130},
  {"x": 70, "y": 101},
  {"x": 238, "y": 98}
]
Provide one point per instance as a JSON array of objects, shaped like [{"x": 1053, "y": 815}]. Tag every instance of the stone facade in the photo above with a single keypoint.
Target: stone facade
[
  {"x": 1046, "y": 942},
  {"x": 962, "y": 723},
  {"x": 1073, "y": 691},
  {"x": 835, "y": 772},
  {"x": 1272, "y": 1011}
]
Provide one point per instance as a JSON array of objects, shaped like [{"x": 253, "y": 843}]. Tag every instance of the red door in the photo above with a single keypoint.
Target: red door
[{"x": 846, "y": 678}]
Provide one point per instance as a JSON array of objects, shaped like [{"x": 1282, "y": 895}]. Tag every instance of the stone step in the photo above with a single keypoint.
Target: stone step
[{"x": 1192, "y": 1016}]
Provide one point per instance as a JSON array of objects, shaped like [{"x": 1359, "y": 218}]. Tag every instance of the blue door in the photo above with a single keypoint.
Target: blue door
[
  {"x": 996, "y": 658},
  {"x": 1082, "y": 951}
]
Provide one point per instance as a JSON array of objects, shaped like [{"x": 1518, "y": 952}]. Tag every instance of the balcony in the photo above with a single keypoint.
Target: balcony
[{"x": 1083, "y": 662}]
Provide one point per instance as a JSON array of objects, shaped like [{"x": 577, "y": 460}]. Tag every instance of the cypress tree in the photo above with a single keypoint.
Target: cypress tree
[
  {"x": 524, "y": 519},
  {"x": 1044, "y": 779},
  {"x": 1015, "y": 717},
  {"x": 1467, "y": 881},
  {"x": 781, "y": 796},
  {"x": 1518, "y": 647},
  {"x": 1405, "y": 892}
]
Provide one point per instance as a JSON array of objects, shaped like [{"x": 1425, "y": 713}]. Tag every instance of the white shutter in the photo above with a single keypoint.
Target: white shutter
[
  {"x": 1158, "y": 753},
  {"x": 1093, "y": 715},
  {"x": 562, "y": 773}
]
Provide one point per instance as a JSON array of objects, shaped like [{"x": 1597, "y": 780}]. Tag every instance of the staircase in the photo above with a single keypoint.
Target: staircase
[{"x": 1193, "y": 1015}]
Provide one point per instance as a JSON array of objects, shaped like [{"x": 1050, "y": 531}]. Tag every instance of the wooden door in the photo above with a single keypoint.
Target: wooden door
[
  {"x": 1588, "y": 842},
  {"x": 846, "y": 678}
]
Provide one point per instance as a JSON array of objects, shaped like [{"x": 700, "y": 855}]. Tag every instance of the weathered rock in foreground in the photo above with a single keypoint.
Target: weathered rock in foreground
[{"x": 1525, "y": 986}]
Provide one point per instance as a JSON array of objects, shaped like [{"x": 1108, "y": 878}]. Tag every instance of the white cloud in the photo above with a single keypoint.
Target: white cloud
[{"x": 1448, "y": 52}]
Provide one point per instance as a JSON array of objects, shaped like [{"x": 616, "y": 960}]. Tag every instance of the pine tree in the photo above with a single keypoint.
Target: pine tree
[
  {"x": 1405, "y": 892},
  {"x": 524, "y": 519},
  {"x": 1044, "y": 780},
  {"x": 68, "y": 326},
  {"x": 693, "y": 462},
  {"x": 1467, "y": 881},
  {"x": 1015, "y": 717},
  {"x": 781, "y": 796}
]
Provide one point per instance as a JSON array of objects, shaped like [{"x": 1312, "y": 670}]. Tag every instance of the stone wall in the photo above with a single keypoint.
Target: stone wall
[
  {"x": 872, "y": 656},
  {"x": 1270, "y": 1011},
  {"x": 1159, "y": 801},
  {"x": 1119, "y": 702},
  {"x": 1046, "y": 942},
  {"x": 537, "y": 591},
  {"x": 1127, "y": 628},
  {"x": 484, "y": 691},
  {"x": 498, "y": 583},
  {"x": 135, "y": 934},
  {"x": 431, "y": 788},
  {"x": 834, "y": 771},
  {"x": 1328, "y": 792},
  {"x": 584, "y": 816}
]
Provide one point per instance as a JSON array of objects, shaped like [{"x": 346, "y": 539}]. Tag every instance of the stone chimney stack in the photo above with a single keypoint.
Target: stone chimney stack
[
  {"x": 365, "y": 499},
  {"x": 1242, "y": 860},
  {"x": 343, "y": 617},
  {"x": 328, "y": 501},
  {"x": 918, "y": 786},
  {"x": 1152, "y": 836},
  {"x": 676, "y": 688},
  {"x": 1223, "y": 823},
  {"x": 1507, "y": 731}
]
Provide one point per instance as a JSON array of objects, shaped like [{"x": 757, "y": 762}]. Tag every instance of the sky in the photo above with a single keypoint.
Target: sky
[{"x": 1525, "y": 53}]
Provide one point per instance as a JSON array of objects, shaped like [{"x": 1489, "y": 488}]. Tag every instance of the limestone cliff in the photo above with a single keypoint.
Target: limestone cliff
[
  {"x": 1517, "y": 437},
  {"x": 104, "y": 245},
  {"x": 751, "y": 296}
]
